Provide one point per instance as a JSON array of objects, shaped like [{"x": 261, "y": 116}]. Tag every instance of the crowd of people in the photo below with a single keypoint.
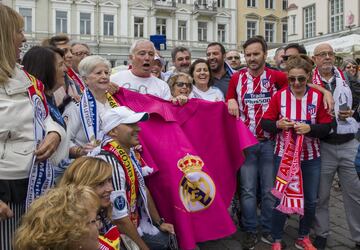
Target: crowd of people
[{"x": 80, "y": 169}]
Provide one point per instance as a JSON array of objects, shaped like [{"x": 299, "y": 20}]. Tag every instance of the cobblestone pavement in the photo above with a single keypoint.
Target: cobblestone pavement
[{"x": 338, "y": 240}]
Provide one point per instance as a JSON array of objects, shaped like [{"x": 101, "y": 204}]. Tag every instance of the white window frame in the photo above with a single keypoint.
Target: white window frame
[
  {"x": 253, "y": 3},
  {"x": 202, "y": 31},
  {"x": 285, "y": 33},
  {"x": 182, "y": 31},
  {"x": 256, "y": 28},
  {"x": 221, "y": 3},
  {"x": 27, "y": 23},
  {"x": 336, "y": 16},
  {"x": 67, "y": 22},
  {"x": 138, "y": 27},
  {"x": 108, "y": 27},
  {"x": 273, "y": 32},
  {"x": 221, "y": 33},
  {"x": 161, "y": 26},
  {"x": 309, "y": 19},
  {"x": 86, "y": 24},
  {"x": 270, "y": 4},
  {"x": 293, "y": 24}
]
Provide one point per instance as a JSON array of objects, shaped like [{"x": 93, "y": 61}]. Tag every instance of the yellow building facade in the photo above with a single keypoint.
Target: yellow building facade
[{"x": 267, "y": 18}]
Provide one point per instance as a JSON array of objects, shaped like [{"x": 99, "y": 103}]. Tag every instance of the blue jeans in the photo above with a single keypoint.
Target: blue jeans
[
  {"x": 311, "y": 178},
  {"x": 259, "y": 161},
  {"x": 158, "y": 241}
]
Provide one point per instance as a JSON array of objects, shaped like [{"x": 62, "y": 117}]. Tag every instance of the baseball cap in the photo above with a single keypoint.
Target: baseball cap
[{"x": 121, "y": 115}]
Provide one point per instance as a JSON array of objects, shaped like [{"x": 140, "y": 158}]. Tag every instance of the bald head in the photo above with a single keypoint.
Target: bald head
[{"x": 324, "y": 58}]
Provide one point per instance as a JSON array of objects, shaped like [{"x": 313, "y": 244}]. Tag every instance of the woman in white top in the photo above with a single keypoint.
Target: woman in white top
[
  {"x": 203, "y": 86},
  {"x": 83, "y": 118}
]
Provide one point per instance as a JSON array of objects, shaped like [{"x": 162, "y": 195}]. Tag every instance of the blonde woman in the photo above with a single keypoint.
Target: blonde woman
[
  {"x": 97, "y": 174},
  {"x": 64, "y": 218}
]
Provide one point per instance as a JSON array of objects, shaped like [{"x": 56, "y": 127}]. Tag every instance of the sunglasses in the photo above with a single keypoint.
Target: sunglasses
[
  {"x": 351, "y": 66},
  {"x": 233, "y": 58},
  {"x": 300, "y": 79},
  {"x": 182, "y": 84}
]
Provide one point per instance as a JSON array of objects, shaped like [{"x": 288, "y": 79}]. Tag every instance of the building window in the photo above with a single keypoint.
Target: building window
[
  {"x": 309, "y": 21},
  {"x": 27, "y": 15},
  {"x": 284, "y": 4},
  {"x": 221, "y": 3},
  {"x": 202, "y": 31},
  {"x": 61, "y": 21},
  {"x": 269, "y": 4},
  {"x": 161, "y": 26},
  {"x": 182, "y": 1},
  {"x": 251, "y": 29},
  {"x": 284, "y": 32},
  {"x": 108, "y": 25},
  {"x": 251, "y": 3},
  {"x": 181, "y": 30},
  {"x": 221, "y": 33},
  {"x": 293, "y": 24},
  {"x": 336, "y": 15},
  {"x": 269, "y": 32},
  {"x": 85, "y": 23},
  {"x": 139, "y": 27}
]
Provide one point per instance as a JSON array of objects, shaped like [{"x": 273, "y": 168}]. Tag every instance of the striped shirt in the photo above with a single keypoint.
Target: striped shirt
[
  {"x": 309, "y": 109},
  {"x": 253, "y": 95}
]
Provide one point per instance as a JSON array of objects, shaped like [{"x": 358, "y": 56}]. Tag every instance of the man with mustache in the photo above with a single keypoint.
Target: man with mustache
[
  {"x": 139, "y": 77},
  {"x": 181, "y": 59},
  {"x": 249, "y": 93},
  {"x": 221, "y": 72},
  {"x": 338, "y": 149}
]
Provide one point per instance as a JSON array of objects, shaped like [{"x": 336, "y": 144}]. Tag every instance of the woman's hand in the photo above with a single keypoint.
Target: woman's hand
[
  {"x": 284, "y": 124},
  {"x": 180, "y": 99},
  {"x": 302, "y": 128},
  {"x": 113, "y": 88},
  {"x": 233, "y": 108},
  {"x": 328, "y": 101},
  {"x": 167, "y": 227},
  {"x": 5, "y": 211},
  {"x": 48, "y": 146}
]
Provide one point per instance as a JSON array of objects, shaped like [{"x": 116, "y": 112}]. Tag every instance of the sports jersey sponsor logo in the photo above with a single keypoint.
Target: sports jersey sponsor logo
[{"x": 261, "y": 98}]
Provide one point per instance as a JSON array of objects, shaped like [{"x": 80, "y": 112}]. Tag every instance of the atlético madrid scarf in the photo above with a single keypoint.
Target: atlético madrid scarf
[{"x": 288, "y": 183}]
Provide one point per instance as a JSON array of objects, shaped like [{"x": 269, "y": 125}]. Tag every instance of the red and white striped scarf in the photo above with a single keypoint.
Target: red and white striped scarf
[{"x": 289, "y": 183}]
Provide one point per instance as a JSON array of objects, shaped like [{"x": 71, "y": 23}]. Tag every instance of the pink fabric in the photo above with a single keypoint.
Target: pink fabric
[{"x": 199, "y": 128}]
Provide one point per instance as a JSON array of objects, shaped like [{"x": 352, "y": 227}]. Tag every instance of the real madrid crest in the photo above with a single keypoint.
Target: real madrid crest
[{"x": 196, "y": 189}]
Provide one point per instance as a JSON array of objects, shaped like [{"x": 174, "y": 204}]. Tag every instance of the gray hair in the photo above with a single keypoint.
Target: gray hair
[
  {"x": 87, "y": 65},
  {"x": 137, "y": 42},
  {"x": 80, "y": 43}
]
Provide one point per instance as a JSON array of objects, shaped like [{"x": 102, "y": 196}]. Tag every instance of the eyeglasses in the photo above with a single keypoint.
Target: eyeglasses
[
  {"x": 81, "y": 53},
  {"x": 351, "y": 66},
  {"x": 325, "y": 54},
  {"x": 300, "y": 79},
  {"x": 182, "y": 84},
  {"x": 233, "y": 58}
]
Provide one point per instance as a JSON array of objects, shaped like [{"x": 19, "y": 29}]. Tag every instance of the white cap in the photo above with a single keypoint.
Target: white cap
[{"x": 121, "y": 115}]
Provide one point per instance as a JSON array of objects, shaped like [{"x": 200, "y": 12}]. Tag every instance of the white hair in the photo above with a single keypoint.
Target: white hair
[
  {"x": 137, "y": 42},
  {"x": 87, "y": 65}
]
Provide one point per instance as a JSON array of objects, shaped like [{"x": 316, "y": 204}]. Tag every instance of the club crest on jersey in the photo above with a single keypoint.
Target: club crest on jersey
[
  {"x": 265, "y": 83},
  {"x": 311, "y": 109},
  {"x": 196, "y": 189}
]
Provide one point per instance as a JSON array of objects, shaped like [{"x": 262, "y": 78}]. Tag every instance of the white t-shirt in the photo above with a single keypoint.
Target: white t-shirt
[
  {"x": 144, "y": 85},
  {"x": 213, "y": 94}
]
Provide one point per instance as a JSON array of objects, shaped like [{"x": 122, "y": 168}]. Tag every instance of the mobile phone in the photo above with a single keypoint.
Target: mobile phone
[{"x": 343, "y": 107}]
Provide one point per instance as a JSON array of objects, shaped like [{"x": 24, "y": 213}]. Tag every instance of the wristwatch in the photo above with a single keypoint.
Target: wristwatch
[{"x": 159, "y": 223}]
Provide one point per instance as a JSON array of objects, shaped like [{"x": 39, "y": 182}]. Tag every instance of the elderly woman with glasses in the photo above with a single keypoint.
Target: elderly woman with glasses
[
  {"x": 203, "y": 85},
  {"x": 298, "y": 118}
]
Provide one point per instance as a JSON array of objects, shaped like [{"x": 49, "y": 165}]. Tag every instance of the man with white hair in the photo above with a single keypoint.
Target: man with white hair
[
  {"x": 338, "y": 149},
  {"x": 139, "y": 77},
  {"x": 233, "y": 59}
]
